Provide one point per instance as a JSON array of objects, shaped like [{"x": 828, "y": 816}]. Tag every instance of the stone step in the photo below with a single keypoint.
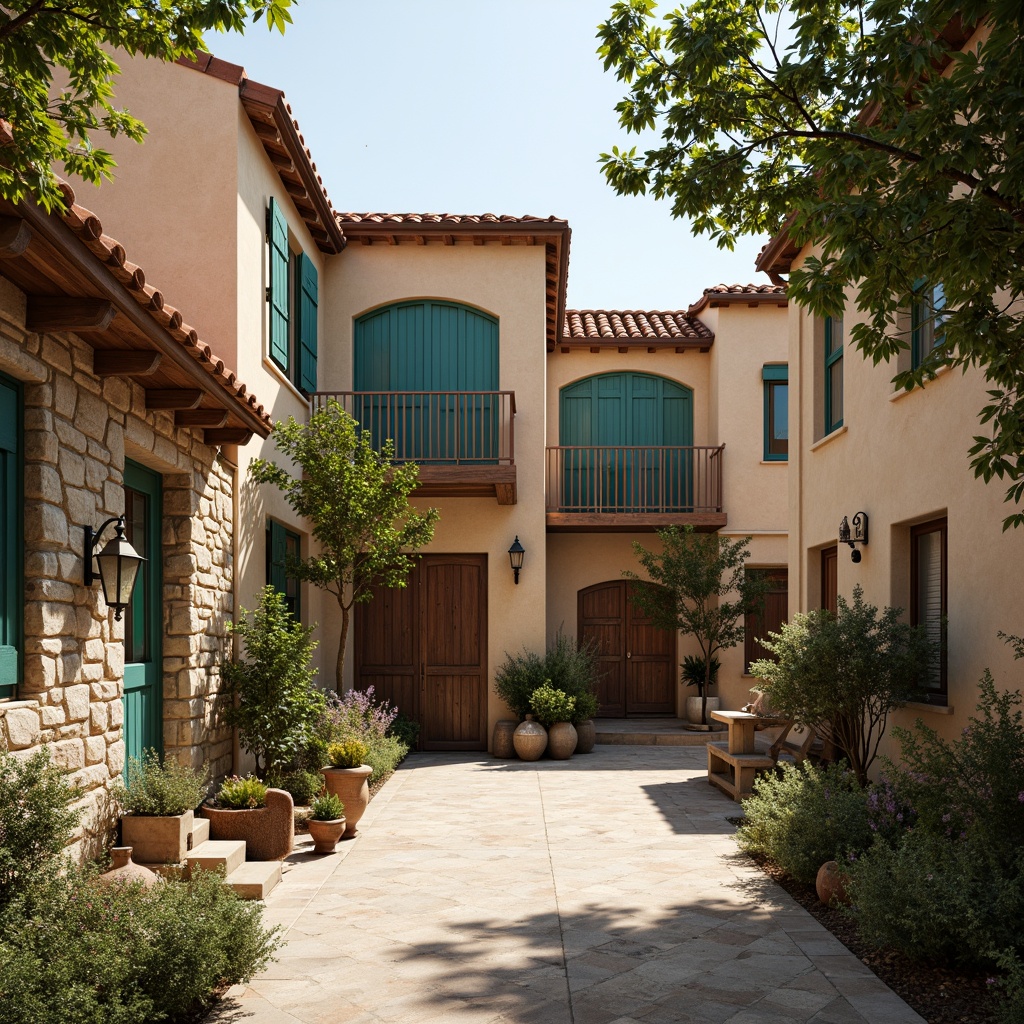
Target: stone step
[
  {"x": 200, "y": 832},
  {"x": 255, "y": 879},
  {"x": 664, "y": 732},
  {"x": 228, "y": 854}
]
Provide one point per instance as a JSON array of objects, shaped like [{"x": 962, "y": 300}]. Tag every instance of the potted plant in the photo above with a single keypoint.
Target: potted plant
[
  {"x": 695, "y": 672},
  {"x": 346, "y": 777},
  {"x": 158, "y": 800},
  {"x": 582, "y": 720},
  {"x": 248, "y": 810},
  {"x": 554, "y": 709},
  {"x": 327, "y": 823}
]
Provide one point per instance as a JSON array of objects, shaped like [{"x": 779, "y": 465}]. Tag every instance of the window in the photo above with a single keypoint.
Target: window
[
  {"x": 776, "y": 413},
  {"x": 11, "y": 509},
  {"x": 927, "y": 322},
  {"x": 928, "y": 595},
  {"x": 776, "y": 610},
  {"x": 293, "y": 295},
  {"x": 282, "y": 544},
  {"x": 830, "y": 579},
  {"x": 833, "y": 373}
]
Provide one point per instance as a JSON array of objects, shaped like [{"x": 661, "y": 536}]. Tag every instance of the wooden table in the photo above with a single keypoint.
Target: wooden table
[{"x": 732, "y": 766}]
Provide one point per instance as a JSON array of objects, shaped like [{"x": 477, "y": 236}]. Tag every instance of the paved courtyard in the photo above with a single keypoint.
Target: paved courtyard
[{"x": 603, "y": 890}]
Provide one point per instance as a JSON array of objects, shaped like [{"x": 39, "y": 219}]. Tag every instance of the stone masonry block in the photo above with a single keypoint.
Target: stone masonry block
[
  {"x": 116, "y": 713},
  {"x": 40, "y": 673},
  {"x": 76, "y": 700},
  {"x": 91, "y": 417},
  {"x": 99, "y": 718},
  {"x": 68, "y": 754},
  {"x": 42, "y": 482},
  {"x": 81, "y": 505},
  {"x": 49, "y": 619},
  {"x": 70, "y": 436},
  {"x": 95, "y": 474},
  {"x": 95, "y": 750},
  {"x": 65, "y": 397},
  {"x": 49, "y": 590},
  {"x": 115, "y": 660},
  {"x": 118, "y": 393},
  {"x": 41, "y": 446},
  {"x": 115, "y": 757},
  {"x": 56, "y": 355},
  {"x": 22, "y": 728},
  {"x": 105, "y": 690},
  {"x": 45, "y": 524}
]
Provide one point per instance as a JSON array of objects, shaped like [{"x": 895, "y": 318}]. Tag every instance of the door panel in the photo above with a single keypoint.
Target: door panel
[
  {"x": 650, "y": 665},
  {"x": 601, "y": 620}
]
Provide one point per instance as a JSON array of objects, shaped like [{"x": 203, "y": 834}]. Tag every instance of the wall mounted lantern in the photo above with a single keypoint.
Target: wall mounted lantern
[
  {"x": 516, "y": 554},
  {"x": 117, "y": 565},
  {"x": 854, "y": 534}
]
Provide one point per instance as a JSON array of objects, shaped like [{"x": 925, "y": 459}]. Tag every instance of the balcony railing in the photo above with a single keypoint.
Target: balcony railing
[
  {"x": 435, "y": 427},
  {"x": 634, "y": 479}
]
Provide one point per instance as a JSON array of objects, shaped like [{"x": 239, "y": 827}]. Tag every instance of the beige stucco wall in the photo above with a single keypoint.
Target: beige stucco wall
[
  {"x": 507, "y": 282},
  {"x": 902, "y": 458}
]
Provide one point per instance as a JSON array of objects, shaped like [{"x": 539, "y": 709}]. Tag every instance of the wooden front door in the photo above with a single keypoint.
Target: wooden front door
[
  {"x": 423, "y": 647},
  {"x": 637, "y": 661}
]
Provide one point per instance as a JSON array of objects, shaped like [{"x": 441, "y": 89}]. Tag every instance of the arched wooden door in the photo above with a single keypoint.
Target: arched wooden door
[{"x": 637, "y": 661}]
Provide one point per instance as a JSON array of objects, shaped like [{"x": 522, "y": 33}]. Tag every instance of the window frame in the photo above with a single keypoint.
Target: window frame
[
  {"x": 775, "y": 574},
  {"x": 774, "y": 376},
  {"x": 294, "y": 602},
  {"x": 12, "y": 532},
  {"x": 927, "y": 322},
  {"x": 938, "y": 694},
  {"x": 833, "y": 353}
]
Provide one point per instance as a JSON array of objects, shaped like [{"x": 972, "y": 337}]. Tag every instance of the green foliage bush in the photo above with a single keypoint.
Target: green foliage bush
[
  {"x": 36, "y": 820},
  {"x": 517, "y": 678},
  {"x": 693, "y": 672},
  {"x": 328, "y": 808},
  {"x": 551, "y": 705},
  {"x": 276, "y": 703},
  {"x": 564, "y": 666},
  {"x": 802, "y": 816},
  {"x": 153, "y": 788},
  {"x": 239, "y": 793},
  {"x": 347, "y": 754},
  {"x": 383, "y": 755},
  {"x": 303, "y": 785},
  {"x": 73, "y": 951},
  {"x": 406, "y": 730}
]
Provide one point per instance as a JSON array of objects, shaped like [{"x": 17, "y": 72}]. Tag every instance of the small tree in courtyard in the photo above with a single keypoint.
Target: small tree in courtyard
[
  {"x": 358, "y": 504},
  {"x": 844, "y": 673},
  {"x": 703, "y": 590}
]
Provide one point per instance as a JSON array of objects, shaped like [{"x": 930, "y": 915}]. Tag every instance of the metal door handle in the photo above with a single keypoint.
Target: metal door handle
[{"x": 629, "y": 654}]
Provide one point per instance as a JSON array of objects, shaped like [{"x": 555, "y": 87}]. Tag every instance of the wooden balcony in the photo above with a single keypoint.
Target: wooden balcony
[
  {"x": 629, "y": 489},
  {"x": 462, "y": 441}
]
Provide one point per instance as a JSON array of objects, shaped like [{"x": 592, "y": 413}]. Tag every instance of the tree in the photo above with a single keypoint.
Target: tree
[
  {"x": 43, "y": 125},
  {"x": 844, "y": 673},
  {"x": 695, "y": 573},
  {"x": 835, "y": 122},
  {"x": 357, "y": 502}
]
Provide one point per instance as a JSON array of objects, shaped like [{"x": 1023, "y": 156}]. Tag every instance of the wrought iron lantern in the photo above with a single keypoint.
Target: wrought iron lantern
[
  {"x": 853, "y": 533},
  {"x": 117, "y": 565},
  {"x": 516, "y": 554}
]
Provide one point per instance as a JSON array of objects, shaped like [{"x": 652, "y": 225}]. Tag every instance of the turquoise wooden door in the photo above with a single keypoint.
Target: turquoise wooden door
[
  {"x": 623, "y": 423},
  {"x": 143, "y": 627},
  {"x": 434, "y": 347}
]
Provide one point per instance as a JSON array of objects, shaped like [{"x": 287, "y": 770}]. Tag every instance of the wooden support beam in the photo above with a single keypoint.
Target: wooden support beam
[
  {"x": 15, "y": 235},
  {"x": 125, "y": 362},
  {"x": 227, "y": 435},
  {"x": 65, "y": 313},
  {"x": 173, "y": 398},
  {"x": 200, "y": 417}
]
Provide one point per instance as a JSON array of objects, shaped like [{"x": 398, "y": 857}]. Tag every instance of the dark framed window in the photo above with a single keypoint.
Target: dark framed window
[
  {"x": 833, "y": 373},
  {"x": 927, "y": 322},
  {"x": 11, "y": 531},
  {"x": 776, "y": 609},
  {"x": 283, "y": 545},
  {"x": 830, "y": 579},
  {"x": 776, "y": 413},
  {"x": 928, "y": 596}
]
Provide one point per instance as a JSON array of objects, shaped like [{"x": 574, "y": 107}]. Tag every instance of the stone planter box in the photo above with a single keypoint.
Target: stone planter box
[
  {"x": 268, "y": 832},
  {"x": 157, "y": 840}
]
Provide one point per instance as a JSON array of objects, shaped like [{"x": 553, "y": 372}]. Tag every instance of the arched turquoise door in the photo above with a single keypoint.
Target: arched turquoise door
[
  {"x": 436, "y": 347},
  {"x": 627, "y": 436}
]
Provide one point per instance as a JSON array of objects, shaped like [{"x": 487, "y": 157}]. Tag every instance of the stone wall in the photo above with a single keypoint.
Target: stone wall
[{"x": 78, "y": 431}]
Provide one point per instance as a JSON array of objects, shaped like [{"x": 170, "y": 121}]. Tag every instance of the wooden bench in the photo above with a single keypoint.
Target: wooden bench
[{"x": 734, "y": 774}]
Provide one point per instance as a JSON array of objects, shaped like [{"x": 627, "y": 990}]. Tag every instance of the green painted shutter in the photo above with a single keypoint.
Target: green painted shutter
[
  {"x": 11, "y": 507},
  {"x": 277, "y": 549},
  {"x": 307, "y": 325},
  {"x": 277, "y": 233}
]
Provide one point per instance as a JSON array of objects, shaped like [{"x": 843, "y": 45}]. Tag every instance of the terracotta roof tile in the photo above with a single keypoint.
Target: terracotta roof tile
[
  {"x": 745, "y": 294},
  {"x": 464, "y": 219},
  {"x": 612, "y": 324}
]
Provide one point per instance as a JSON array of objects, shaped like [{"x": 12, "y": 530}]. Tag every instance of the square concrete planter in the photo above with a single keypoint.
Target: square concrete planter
[{"x": 156, "y": 840}]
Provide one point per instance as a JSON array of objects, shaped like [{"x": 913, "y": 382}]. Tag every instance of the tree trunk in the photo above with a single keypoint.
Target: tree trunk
[{"x": 339, "y": 669}]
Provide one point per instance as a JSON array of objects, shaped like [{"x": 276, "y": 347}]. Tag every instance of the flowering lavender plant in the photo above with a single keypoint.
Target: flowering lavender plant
[{"x": 356, "y": 715}]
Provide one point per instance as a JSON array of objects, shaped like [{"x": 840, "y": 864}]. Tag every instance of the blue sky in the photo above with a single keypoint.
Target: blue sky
[{"x": 481, "y": 106}]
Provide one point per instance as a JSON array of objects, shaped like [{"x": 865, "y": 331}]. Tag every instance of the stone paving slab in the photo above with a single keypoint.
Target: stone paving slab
[{"x": 603, "y": 890}]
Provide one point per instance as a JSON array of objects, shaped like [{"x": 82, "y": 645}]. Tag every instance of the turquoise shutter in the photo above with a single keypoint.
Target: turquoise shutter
[
  {"x": 277, "y": 549},
  {"x": 277, "y": 234},
  {"x": 307, "y": 288},
  {"x": 10, "y": 538}
]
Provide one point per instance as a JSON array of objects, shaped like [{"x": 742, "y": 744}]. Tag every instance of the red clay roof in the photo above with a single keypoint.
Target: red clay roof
[
  {"x": 460, "y": 219},
  {"x": 653, "y": 330},
  {"x": 743, "y": 294}
]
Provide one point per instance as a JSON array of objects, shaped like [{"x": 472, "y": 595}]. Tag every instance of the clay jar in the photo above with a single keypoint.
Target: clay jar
[
  {"x": 124, "y": 869},
  {"x": 830, "y": 886},
  {"x": 351, "y": 787},
  {"x": 586, "y": 736},
  {"x": 530, "y": 739},
  {"x": 325, "y": 834},
  {"x": 501, "y": 743},
  {"x": 561, "y": 741}
]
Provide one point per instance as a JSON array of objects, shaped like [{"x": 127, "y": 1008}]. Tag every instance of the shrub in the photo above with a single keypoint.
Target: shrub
[
  {"x": 160, "y": 789},
  {"x": 384, "y": 755},
  {"x": 328, "y": 808},
  {"x": 565, "y": 666},
  {"x": 693, "y": 672},
  {"x": 276, "y": 702},
  {"x": 586, "y": 706},
  {"x": 303, "y": 785},
  {"x": 36, "y": 821},
  {"x": 551, "y": 705},
  {"x": 237, "y": 794},
  {"x": 73, "y": 951},
  {"x": 1011, "y": 1010},
  {"x": 843, "y": 674},
  {"x": 356, "y": 715},
  {"x": 348, "y": 754},
  {"x": 802, "y": 816},
  {"x": 406, "y": 730},
  {"x": 517, "y": 678}
]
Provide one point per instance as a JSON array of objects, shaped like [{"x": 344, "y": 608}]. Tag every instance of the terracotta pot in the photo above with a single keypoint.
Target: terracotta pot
[
  {"x": 326, "y": 834},
  {"x": 158, "y": 839},
  {"x": 501, "y": 743},
  {"x": 124, "y": 869},
  {"x": 561, "y": 741},
  {"x": 268, "y": 832},
  {"x": 351, "y": 787},
  {"x": 830, "y": 885},
  {"x": 530, "y": 739},
  {"x": 693, "y": 709},
  {"x": 586, "y": 736}
]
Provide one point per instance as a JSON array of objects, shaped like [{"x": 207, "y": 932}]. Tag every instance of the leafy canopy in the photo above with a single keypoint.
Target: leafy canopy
[
  {"x": 358, "y": 504},
  {"x": 835, "y": 120},
  {"x": 47, "y": 124}
]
